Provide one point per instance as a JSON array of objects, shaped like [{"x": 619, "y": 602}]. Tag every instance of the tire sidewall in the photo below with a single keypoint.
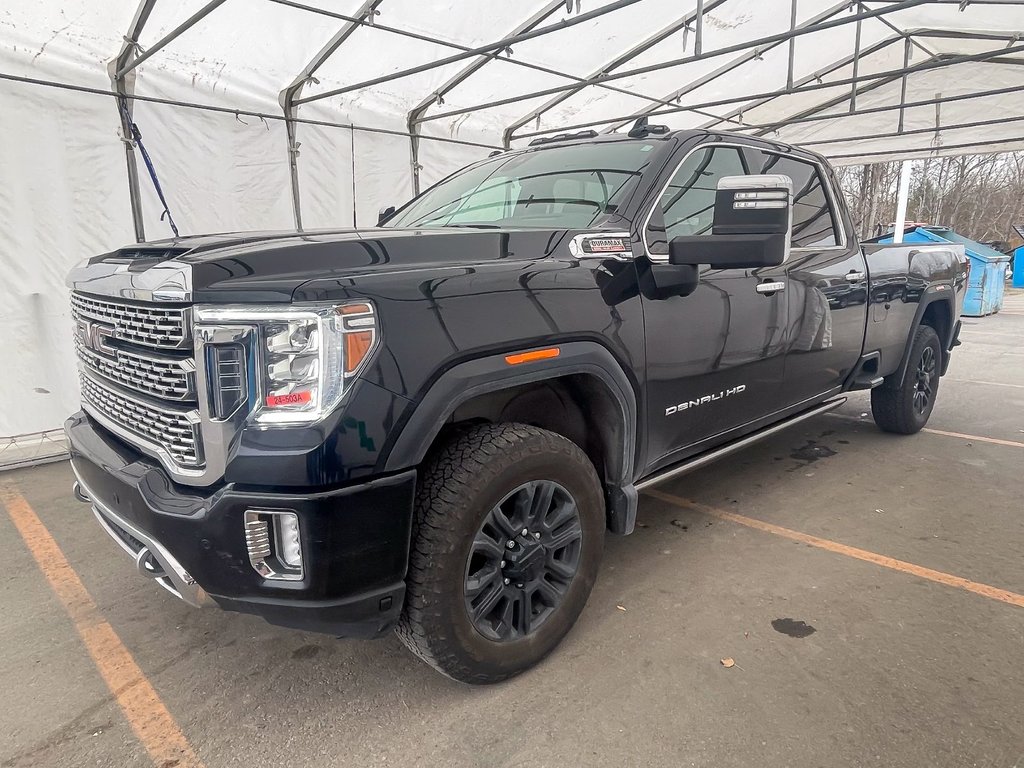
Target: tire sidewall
[{"x": 926, "y": 338}]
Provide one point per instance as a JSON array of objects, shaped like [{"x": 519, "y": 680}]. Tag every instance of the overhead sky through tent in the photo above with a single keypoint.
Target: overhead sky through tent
[{"x": 278, "y": 113}]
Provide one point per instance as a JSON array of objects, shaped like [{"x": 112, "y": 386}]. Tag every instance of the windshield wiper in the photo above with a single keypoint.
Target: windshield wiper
[{"x": 474, "y": 226}]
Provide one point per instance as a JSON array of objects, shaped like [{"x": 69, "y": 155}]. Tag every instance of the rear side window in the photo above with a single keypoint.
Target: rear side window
[
  {"x": 813, "y": 218},
  {"x": 687, "y": 206}
]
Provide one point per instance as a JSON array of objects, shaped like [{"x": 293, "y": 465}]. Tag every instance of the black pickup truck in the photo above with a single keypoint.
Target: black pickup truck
[{"x": 430, "y": 425}]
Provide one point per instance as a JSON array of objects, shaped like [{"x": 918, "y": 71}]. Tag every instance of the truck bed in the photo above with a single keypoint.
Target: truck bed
[{"x": 898, "y": 276}]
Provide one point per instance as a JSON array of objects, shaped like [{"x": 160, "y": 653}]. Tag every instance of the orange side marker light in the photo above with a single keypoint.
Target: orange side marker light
[{"x": 529, "y": 357}]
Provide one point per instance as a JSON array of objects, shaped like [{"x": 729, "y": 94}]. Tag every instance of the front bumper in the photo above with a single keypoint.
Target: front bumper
[{"x": 355, "y": 540}]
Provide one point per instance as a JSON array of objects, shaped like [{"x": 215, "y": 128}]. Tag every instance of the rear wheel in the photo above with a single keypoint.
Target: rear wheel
[
  {"x": 507, "y": 542},
  {"x": 905, "y": 408}
]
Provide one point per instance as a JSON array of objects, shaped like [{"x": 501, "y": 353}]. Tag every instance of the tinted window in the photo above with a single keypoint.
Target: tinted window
[
  {"x": 688, "y": 205},
  {"x": 569, "y": 186},
  {"x": 813, "y": 225}
]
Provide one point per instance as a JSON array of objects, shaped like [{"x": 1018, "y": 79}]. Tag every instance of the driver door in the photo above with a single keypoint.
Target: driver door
[{"x": 715, "y": 357}]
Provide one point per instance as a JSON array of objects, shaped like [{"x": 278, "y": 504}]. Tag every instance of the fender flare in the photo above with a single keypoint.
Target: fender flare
[
  {"x": 932, "y": 295},
  {"x": 492, "y": 373}
]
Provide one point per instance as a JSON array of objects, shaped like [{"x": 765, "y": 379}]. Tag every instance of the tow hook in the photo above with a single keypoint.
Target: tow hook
[{"x": 76, "y": 489}]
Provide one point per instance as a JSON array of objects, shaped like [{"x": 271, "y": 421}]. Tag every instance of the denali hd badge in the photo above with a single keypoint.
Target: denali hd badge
[{"x": 704, "y": 399}]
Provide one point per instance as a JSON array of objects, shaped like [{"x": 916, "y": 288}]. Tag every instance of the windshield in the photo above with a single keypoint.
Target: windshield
[{"x": 555, "y": 187}]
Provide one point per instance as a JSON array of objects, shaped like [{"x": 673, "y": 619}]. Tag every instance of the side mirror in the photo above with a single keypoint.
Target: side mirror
[
  {"x": 751, "y": 229},
  {"x": 384, "y": 214}
]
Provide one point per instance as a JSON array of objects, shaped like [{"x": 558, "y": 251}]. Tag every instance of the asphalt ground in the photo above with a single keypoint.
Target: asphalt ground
[{"x": 869, "y": 589}]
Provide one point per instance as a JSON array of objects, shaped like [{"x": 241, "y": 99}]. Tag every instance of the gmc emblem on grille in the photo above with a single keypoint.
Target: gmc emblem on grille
[{"x": 96, "y": 337}]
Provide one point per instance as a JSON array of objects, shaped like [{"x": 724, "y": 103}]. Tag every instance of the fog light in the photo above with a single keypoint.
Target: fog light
[{"x": 274, "y": 544}]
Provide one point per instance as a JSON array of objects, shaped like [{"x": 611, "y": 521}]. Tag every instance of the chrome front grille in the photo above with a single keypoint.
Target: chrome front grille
[
  {"x": 165, "y": 377},
  {"x": 136, "y": 378},
  {"x": 146, "y": 324},
  {"x": 174, "y": 431}
]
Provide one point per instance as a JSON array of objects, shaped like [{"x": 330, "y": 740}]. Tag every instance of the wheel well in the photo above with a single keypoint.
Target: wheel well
[
  {"x": 578, "y": 407},
  {"x": 939, "y": 316}
]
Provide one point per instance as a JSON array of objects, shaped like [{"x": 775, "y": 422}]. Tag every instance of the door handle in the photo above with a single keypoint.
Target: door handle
[
  {"x": 853, "y": 276},
  {"x": 770, "y": 287}
]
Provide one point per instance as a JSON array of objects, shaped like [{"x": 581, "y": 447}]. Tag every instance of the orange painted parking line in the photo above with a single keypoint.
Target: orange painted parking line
[
  {"x": 974, "y": 438},
  {"x": 944, "y": 433},
  {"x": 988, "y": 383},
  {"x": 146, "y": 713},
  {"x": 993, "y": 593}
]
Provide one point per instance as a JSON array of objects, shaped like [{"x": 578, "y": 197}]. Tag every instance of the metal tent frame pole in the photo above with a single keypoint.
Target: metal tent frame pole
[
  {"x": 893, "y": 73},
  {"x": 857, "y": 90},
  {"x": 815, "y": 117},
  {"x": 523, "y": 32},
  {"x": 899, "y": 35},
  {"x": 740, "y": 61},
  {"x": 495, "y": 47},
  {"x": 812, "y": 113},
  {"x": 235, "y": 112},
  {"x": 190, "y": 22},
  {"x": 816, "y": 76},
  {"x": 738, "y": 48},
  {"x": 375, "y": 25},
  {"x": 437, "y": 97},
  {"x": 914, "y": 132},
  {"x": 289, "y": 94},
  {"x": 915, "y": 151},
  {"x": 123, "y": 87},
  {"x": 615, "y": 63},
  {"x": 908, "y": 50},
  {"x": 856, "y": 60},
  {"x": 909, "y": 43}
]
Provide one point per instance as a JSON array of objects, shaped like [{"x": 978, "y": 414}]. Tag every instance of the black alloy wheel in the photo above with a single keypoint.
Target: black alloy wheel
[
  {"x": 927, "y": 372},
  {"x": 522, "y": 560}
]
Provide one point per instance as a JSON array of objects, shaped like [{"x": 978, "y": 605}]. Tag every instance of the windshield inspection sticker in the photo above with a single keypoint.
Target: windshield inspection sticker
[{"x": 705, "y": 399}]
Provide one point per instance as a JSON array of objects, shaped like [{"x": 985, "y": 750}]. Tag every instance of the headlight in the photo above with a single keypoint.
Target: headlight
[{"x": 304, "y": 354}]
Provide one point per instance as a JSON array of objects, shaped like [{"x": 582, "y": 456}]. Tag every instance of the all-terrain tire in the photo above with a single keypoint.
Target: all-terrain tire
[
  {"x": 459, "y": 486},
  {"x": 904, "y": 409}
]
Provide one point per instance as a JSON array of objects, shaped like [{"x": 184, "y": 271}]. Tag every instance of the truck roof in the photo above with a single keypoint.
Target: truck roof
[{"x": 592, "y": 137}]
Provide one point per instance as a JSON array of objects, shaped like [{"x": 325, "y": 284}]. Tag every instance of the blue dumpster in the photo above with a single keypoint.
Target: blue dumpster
[
  {"x": 1018, "y": 268},
  {"x": 988, "y": 268}
]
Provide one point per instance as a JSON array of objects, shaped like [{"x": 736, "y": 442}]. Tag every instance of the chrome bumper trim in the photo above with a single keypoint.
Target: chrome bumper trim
[{"x": 151, "y": 558}]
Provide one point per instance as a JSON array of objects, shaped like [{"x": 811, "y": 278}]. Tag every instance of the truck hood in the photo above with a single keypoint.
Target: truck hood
[{"x": 266, "y": 267}]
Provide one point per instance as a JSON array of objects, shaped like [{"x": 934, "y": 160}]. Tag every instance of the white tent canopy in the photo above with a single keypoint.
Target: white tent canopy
[{"x": 263, "y": 114}]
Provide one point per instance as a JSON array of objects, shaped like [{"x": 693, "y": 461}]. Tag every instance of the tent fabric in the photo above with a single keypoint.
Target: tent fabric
[{"x": 210, "y": 110}]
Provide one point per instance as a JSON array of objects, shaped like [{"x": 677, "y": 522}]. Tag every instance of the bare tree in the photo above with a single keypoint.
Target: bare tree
[{"x": 980, "y": 196}]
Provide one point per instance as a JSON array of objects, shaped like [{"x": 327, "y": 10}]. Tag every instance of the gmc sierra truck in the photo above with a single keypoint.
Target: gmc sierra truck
[{"x": 430, "y": 425}]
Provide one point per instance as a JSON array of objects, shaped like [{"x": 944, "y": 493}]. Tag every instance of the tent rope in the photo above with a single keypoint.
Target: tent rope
[{"x": 136, "y": 138}]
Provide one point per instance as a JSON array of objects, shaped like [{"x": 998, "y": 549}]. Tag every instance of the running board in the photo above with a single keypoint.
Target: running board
[
  {"x": 706, "y": 458},
  {"x": 866, "y": 382}
]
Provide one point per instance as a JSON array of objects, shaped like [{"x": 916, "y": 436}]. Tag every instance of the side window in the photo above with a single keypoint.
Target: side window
[
  {"x": 813, "y": 219},
  {"x": 688, "y": 205}
]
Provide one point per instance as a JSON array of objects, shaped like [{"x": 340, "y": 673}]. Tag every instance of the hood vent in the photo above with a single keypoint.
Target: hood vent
[{"x": 148, "y": 255}]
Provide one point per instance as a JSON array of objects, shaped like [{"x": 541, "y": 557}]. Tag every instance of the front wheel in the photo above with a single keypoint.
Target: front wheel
[
  {"x": 507, "y": 541},
  {"x": 905, "y": 408}
]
